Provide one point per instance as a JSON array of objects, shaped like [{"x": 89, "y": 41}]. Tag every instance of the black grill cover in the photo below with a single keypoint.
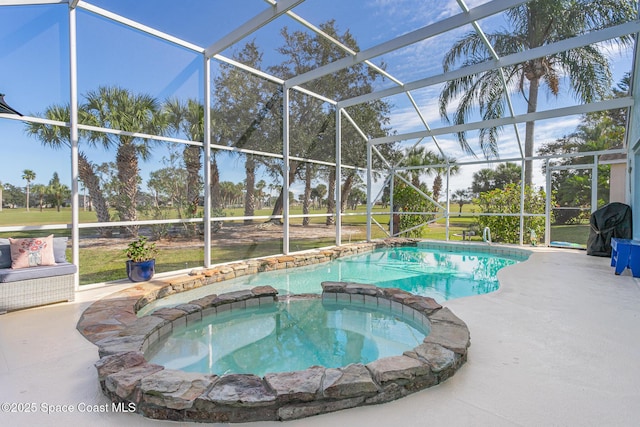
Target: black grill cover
[{"x": 612, "y": 220}]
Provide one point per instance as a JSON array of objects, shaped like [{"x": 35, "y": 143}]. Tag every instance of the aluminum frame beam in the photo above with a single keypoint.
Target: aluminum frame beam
[
  {"x": 522, "y": 118},
  {"x": 337, "y": 43},
  {"x": 255, "y": 23},
  {"x": 516, "y": 58},
  {"x": 31, "y": 2},
  {"x": 423, "y": 33},
  {"x": 208, "y": 212},
  {"x": 495, "y": 56},
  {"x": 138, "y": 26},
  {"x": 74, "y": 140}
]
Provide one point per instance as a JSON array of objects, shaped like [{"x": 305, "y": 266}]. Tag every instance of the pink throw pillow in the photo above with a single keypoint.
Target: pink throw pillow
[{"x": 32, "y": 252}]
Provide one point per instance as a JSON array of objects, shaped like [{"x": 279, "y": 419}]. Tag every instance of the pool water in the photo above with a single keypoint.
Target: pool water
[
  {"x": 287, "y": 336},
  {"x": 437, "y": 274}
]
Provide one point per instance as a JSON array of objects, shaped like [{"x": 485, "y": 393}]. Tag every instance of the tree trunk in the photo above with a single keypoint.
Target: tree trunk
[
  {"x": 191, "y": 156},
  {"x": 415, "y": 179},
  {"x": 250, "y": 184},
  {"x": 331, "y": 193},
  {"x": 534, "y": 85},
  {"x": 346, "y": 190},
  {"x": 127, "y": 164},
  {"x": 278, "y": 206},
  {"x": 216, "y": 198},
  {"x": 277, "y": 209},
  {"x": 92, "y": 184},
  {"x": 307, "y": 194}
]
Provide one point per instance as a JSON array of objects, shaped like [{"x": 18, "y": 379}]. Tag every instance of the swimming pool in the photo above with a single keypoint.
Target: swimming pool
[
  {"x": 441, "y": 274},
  {"x": 287, "y": 336}
]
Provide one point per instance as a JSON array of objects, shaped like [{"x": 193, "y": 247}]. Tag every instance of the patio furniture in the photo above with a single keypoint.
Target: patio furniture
[
  {"x": 625, "y": 253},
  {"x": 33, "y": 286},
  {"x": 611, "y": 220}
]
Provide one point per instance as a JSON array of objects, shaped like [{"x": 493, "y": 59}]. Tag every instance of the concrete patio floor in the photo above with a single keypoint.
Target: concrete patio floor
[{"x": 558, "y": 344}]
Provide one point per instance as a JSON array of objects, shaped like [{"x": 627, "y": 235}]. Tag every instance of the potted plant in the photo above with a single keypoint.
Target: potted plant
[{"x": 141, "y": 263}]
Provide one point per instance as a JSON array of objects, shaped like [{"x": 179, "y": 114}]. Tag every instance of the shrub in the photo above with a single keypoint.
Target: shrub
[
  {"x": 506, "y": 229},
  {"x": 407, "y": 199}
]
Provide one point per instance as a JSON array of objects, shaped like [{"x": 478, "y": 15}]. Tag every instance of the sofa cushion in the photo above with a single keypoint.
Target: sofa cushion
[
  {"x": 60, "y": 249},
  {"x": 15, "y": 275},
  {"x": 32, "y": 251},
  {"x": 5, "y": 253}
]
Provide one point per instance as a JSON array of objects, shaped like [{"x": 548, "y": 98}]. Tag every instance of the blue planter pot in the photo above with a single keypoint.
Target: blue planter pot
[{"x": 141, "y": 271}]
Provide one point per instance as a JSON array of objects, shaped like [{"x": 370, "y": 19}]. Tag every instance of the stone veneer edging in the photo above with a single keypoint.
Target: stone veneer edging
[{"x": 126, "y": 377}]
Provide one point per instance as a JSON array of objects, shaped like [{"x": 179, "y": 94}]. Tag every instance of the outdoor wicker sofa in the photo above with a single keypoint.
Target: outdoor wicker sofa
[{"x": 30, "y": 287}]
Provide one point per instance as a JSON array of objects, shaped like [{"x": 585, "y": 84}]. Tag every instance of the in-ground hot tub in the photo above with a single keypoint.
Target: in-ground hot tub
[
  {"x": 291, "y": 334},
  {"x": 163, "y": 393}
]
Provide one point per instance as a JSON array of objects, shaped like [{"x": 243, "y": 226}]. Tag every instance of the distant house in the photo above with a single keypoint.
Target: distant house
[{"x": 617, "y": 177}]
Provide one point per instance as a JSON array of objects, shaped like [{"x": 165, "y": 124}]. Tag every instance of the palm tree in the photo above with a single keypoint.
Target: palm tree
[
  {"x": 432, "y": 158},
  {"x": 460, "y": 197},
  {"x": 28, "y": 175},
  {"x": 416, "y": 157},
  {"x": 483, "y": 180},
  {"x": 533, "y": 24},
  {"x": 40, "y": 191},
  {"x": 231, "y": 193},
  {"x": 58, "y": 137},
  {"x": 318, "y": 193},
  {"x": 58, "y": 191},
  {"x": 420, "y": 156},
  {"x": 117, "y": 108},
  {"x": 260, "y": 186},
  {"x": 506, "y": 173},
  {"x": 188, "y": 119}
]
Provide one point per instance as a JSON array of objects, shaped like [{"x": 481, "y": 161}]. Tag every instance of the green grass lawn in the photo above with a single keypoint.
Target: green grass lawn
[
  {"x": 34, "y": 216},
  {"x": 570, "y": 233}
]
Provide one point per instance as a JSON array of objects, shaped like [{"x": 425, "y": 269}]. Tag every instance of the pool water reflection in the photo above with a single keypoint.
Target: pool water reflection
[
  {"x": 441, "y": 275},
  {"x": 287, "y": 336}
]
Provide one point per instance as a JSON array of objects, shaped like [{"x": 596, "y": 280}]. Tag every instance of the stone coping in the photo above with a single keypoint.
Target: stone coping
[{"x": 127, "y": 378}]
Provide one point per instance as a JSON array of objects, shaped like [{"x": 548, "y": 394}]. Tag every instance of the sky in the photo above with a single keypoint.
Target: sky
[{"x": 34, "y": 62}]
